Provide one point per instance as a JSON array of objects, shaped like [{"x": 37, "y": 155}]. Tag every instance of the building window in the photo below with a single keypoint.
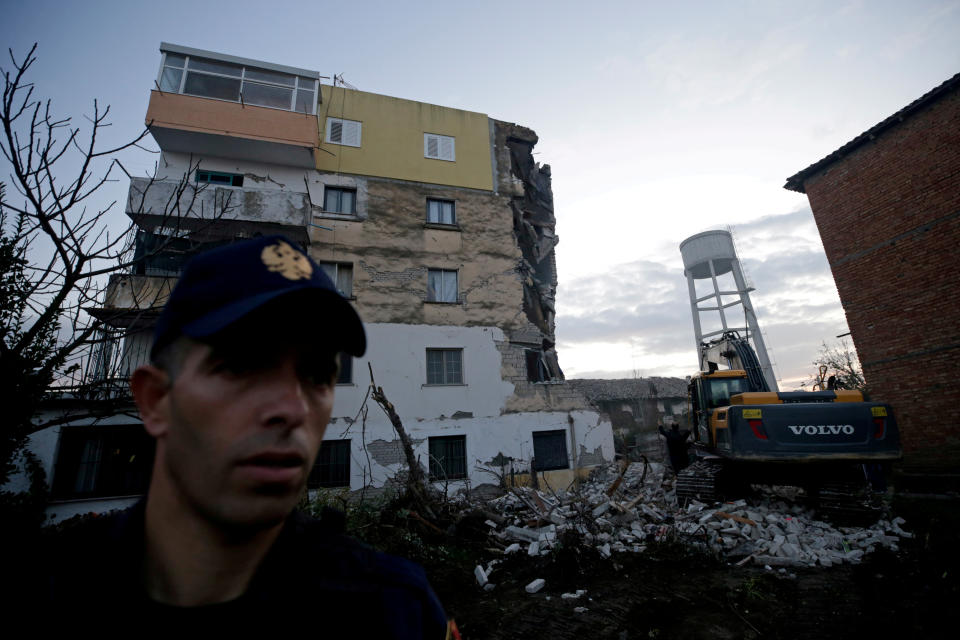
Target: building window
[
  {"x": 439, "y": 147},
  {"x": 345, "y": 373},
  {"x": 550, "y": 450},
  {"x": 219, "y": 177},
  {"x": 448, "y": 457},
  {"x": 441, "y": 285},
  {"x": 341, "y": 275},
  {"x": 339, "y": 200},
  {"x": 441, "y": 211},
  {"x": 444, "y": 366},
  {"x": 345, "y": 132},
  {"x": 332, "y": 466},
  {"x": 210, "y": 78},
  {"x": 96, "y": 462}
]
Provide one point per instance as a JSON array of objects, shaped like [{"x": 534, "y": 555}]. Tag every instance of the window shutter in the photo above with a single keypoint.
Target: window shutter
[
  {"x": 351, "y": 134},
  {"x": 432, "y": 147},
  {"x": 446, "y": 148},
  {"x": 336, "y": 131}
]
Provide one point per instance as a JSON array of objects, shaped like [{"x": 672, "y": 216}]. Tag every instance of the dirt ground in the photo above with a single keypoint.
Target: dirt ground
[{"x": 673, "y": 591}]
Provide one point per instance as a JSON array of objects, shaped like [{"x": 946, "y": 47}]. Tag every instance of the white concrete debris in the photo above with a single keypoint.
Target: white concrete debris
[
  {"x": 536, "y": 585},
  {"x": 768, "y": 531},
  {"x": 481, "y": 575}
]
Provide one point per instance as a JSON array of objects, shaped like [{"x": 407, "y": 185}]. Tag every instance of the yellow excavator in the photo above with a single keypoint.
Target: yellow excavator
[{"x": 746, "y": 434}]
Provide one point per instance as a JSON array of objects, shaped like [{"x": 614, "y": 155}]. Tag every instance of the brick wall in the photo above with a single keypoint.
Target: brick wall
[{"x": 889, "y": 217}]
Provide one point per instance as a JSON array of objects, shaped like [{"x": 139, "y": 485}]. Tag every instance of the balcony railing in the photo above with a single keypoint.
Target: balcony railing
[
  {"x": 106, "y": 364},
  {"x": 220, "y": 211}
]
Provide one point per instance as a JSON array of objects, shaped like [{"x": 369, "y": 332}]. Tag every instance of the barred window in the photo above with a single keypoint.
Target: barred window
[
  {"x": 550, "y": 450},
  {"x": 332, "y": 466},
  {"x": 448, "y": 457}
]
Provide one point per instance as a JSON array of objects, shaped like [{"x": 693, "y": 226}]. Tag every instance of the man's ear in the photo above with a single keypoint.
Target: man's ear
[{"x": 151, "y": 388}]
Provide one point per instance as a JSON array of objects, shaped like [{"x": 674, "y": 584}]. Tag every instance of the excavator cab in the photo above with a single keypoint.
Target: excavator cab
[{"x": 709, "y": 391}]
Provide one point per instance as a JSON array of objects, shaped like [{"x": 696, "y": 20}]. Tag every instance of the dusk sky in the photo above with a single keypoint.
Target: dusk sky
[{"x": 659, "y": 120}]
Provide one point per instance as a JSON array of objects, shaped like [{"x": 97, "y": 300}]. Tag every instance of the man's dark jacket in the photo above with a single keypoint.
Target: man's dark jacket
[{"x": 312, "y": 577}]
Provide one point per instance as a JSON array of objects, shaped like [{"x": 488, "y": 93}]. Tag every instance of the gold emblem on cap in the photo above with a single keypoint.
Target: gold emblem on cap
[{"x": 281, "y": 258}]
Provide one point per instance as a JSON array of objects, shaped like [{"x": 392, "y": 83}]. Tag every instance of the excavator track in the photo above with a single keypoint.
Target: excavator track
[
  {"x": 846, "y": 501},
  {"x": 700, "y": 481}
]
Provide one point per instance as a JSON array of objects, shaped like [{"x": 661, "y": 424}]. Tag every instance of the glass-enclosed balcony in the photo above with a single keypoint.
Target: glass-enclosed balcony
[{"x": 215, "y": 104}]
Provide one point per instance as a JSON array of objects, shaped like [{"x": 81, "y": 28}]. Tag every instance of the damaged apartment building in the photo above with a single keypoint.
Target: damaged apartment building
[{"x": 435, "y": 222}]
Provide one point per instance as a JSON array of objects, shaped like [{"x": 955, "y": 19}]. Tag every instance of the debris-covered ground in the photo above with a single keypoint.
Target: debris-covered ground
[{"x": 617, "y": 557}]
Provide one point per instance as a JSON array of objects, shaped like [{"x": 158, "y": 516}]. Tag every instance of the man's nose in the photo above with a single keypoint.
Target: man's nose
[{"x": 284, "y": 402}]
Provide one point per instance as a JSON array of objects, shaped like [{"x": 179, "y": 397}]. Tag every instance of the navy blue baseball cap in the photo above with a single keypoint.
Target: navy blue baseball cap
[{"x": 223, "y": 285}]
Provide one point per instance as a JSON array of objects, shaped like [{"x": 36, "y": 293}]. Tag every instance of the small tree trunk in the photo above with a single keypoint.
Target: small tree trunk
[{"x": 415, "y": 479}]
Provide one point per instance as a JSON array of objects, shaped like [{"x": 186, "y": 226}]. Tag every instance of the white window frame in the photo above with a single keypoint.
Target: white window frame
[
  {"x": 329, "y": 188},
  {"x": 443, "y": 201},
  {"x": 337, "y": 267},
  {"x": 345, "y": 125},
  {"x": 444, "y": 274},
  {"x": 300, "y": 83},
  {"x": 444, "y": 351},
  {"x": 446, "y": 147}
]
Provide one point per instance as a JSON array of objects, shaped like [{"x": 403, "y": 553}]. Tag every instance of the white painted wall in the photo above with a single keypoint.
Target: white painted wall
[
  {"x": 271, "y": 177},
  {"x": 398, "y": 355},
  {"x": 486, "y": 437}
]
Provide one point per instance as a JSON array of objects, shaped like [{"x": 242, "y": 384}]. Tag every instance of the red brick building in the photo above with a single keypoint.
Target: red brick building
[{"x": 887, "y": 205}]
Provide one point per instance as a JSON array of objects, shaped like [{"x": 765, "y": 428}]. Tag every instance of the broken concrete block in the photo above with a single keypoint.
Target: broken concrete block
[
  {"x": 489, "y": 586},
  {"x": 604, "y": 550},
  {"x": 481, "y": 575},
  {"x": 580, "y": 609},
  {"x": 513, "y": 548},
  {"x": 600, "y": 510},
  {"x": 771, "y": 561},
  {"x": 535, "y": 586},
  {"x": 650, "y": 511},
  {"x": 517, "y": 533},
  {"x": 853, "y": 556},
  {"x": 534, "y": 548}
]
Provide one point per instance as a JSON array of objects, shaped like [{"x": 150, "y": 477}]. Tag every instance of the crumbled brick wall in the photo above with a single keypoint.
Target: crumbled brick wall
[
  {"x": 534, "y": 396},
  {"x": 889, "y": 217}
]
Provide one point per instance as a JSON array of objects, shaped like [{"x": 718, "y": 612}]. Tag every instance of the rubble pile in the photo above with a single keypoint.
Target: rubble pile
[{"x": 621, "y": 511}]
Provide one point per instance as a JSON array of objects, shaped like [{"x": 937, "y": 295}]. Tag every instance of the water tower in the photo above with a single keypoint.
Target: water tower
[{"x": 711, "y": 255}]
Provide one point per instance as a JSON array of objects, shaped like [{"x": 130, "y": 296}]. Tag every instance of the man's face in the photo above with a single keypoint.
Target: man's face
[{"x": 245, "y": 419}]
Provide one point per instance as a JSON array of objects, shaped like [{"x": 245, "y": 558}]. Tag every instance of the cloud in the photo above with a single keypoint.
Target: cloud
[
  {"x": 637, "y": 315},
  {"x": 716, "y": 70}
]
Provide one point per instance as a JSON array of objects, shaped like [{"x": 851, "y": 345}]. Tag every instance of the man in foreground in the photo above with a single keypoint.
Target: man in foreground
[{"x": 238, "y": 396}]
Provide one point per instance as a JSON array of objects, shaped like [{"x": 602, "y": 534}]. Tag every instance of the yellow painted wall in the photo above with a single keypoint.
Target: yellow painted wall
[{"x": 392, "y": 140}]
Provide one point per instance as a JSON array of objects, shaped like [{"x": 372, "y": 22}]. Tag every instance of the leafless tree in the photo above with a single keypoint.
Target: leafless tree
[
  {"x": 841, "y": 362},
  {"x": 59, "y": 248}
]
